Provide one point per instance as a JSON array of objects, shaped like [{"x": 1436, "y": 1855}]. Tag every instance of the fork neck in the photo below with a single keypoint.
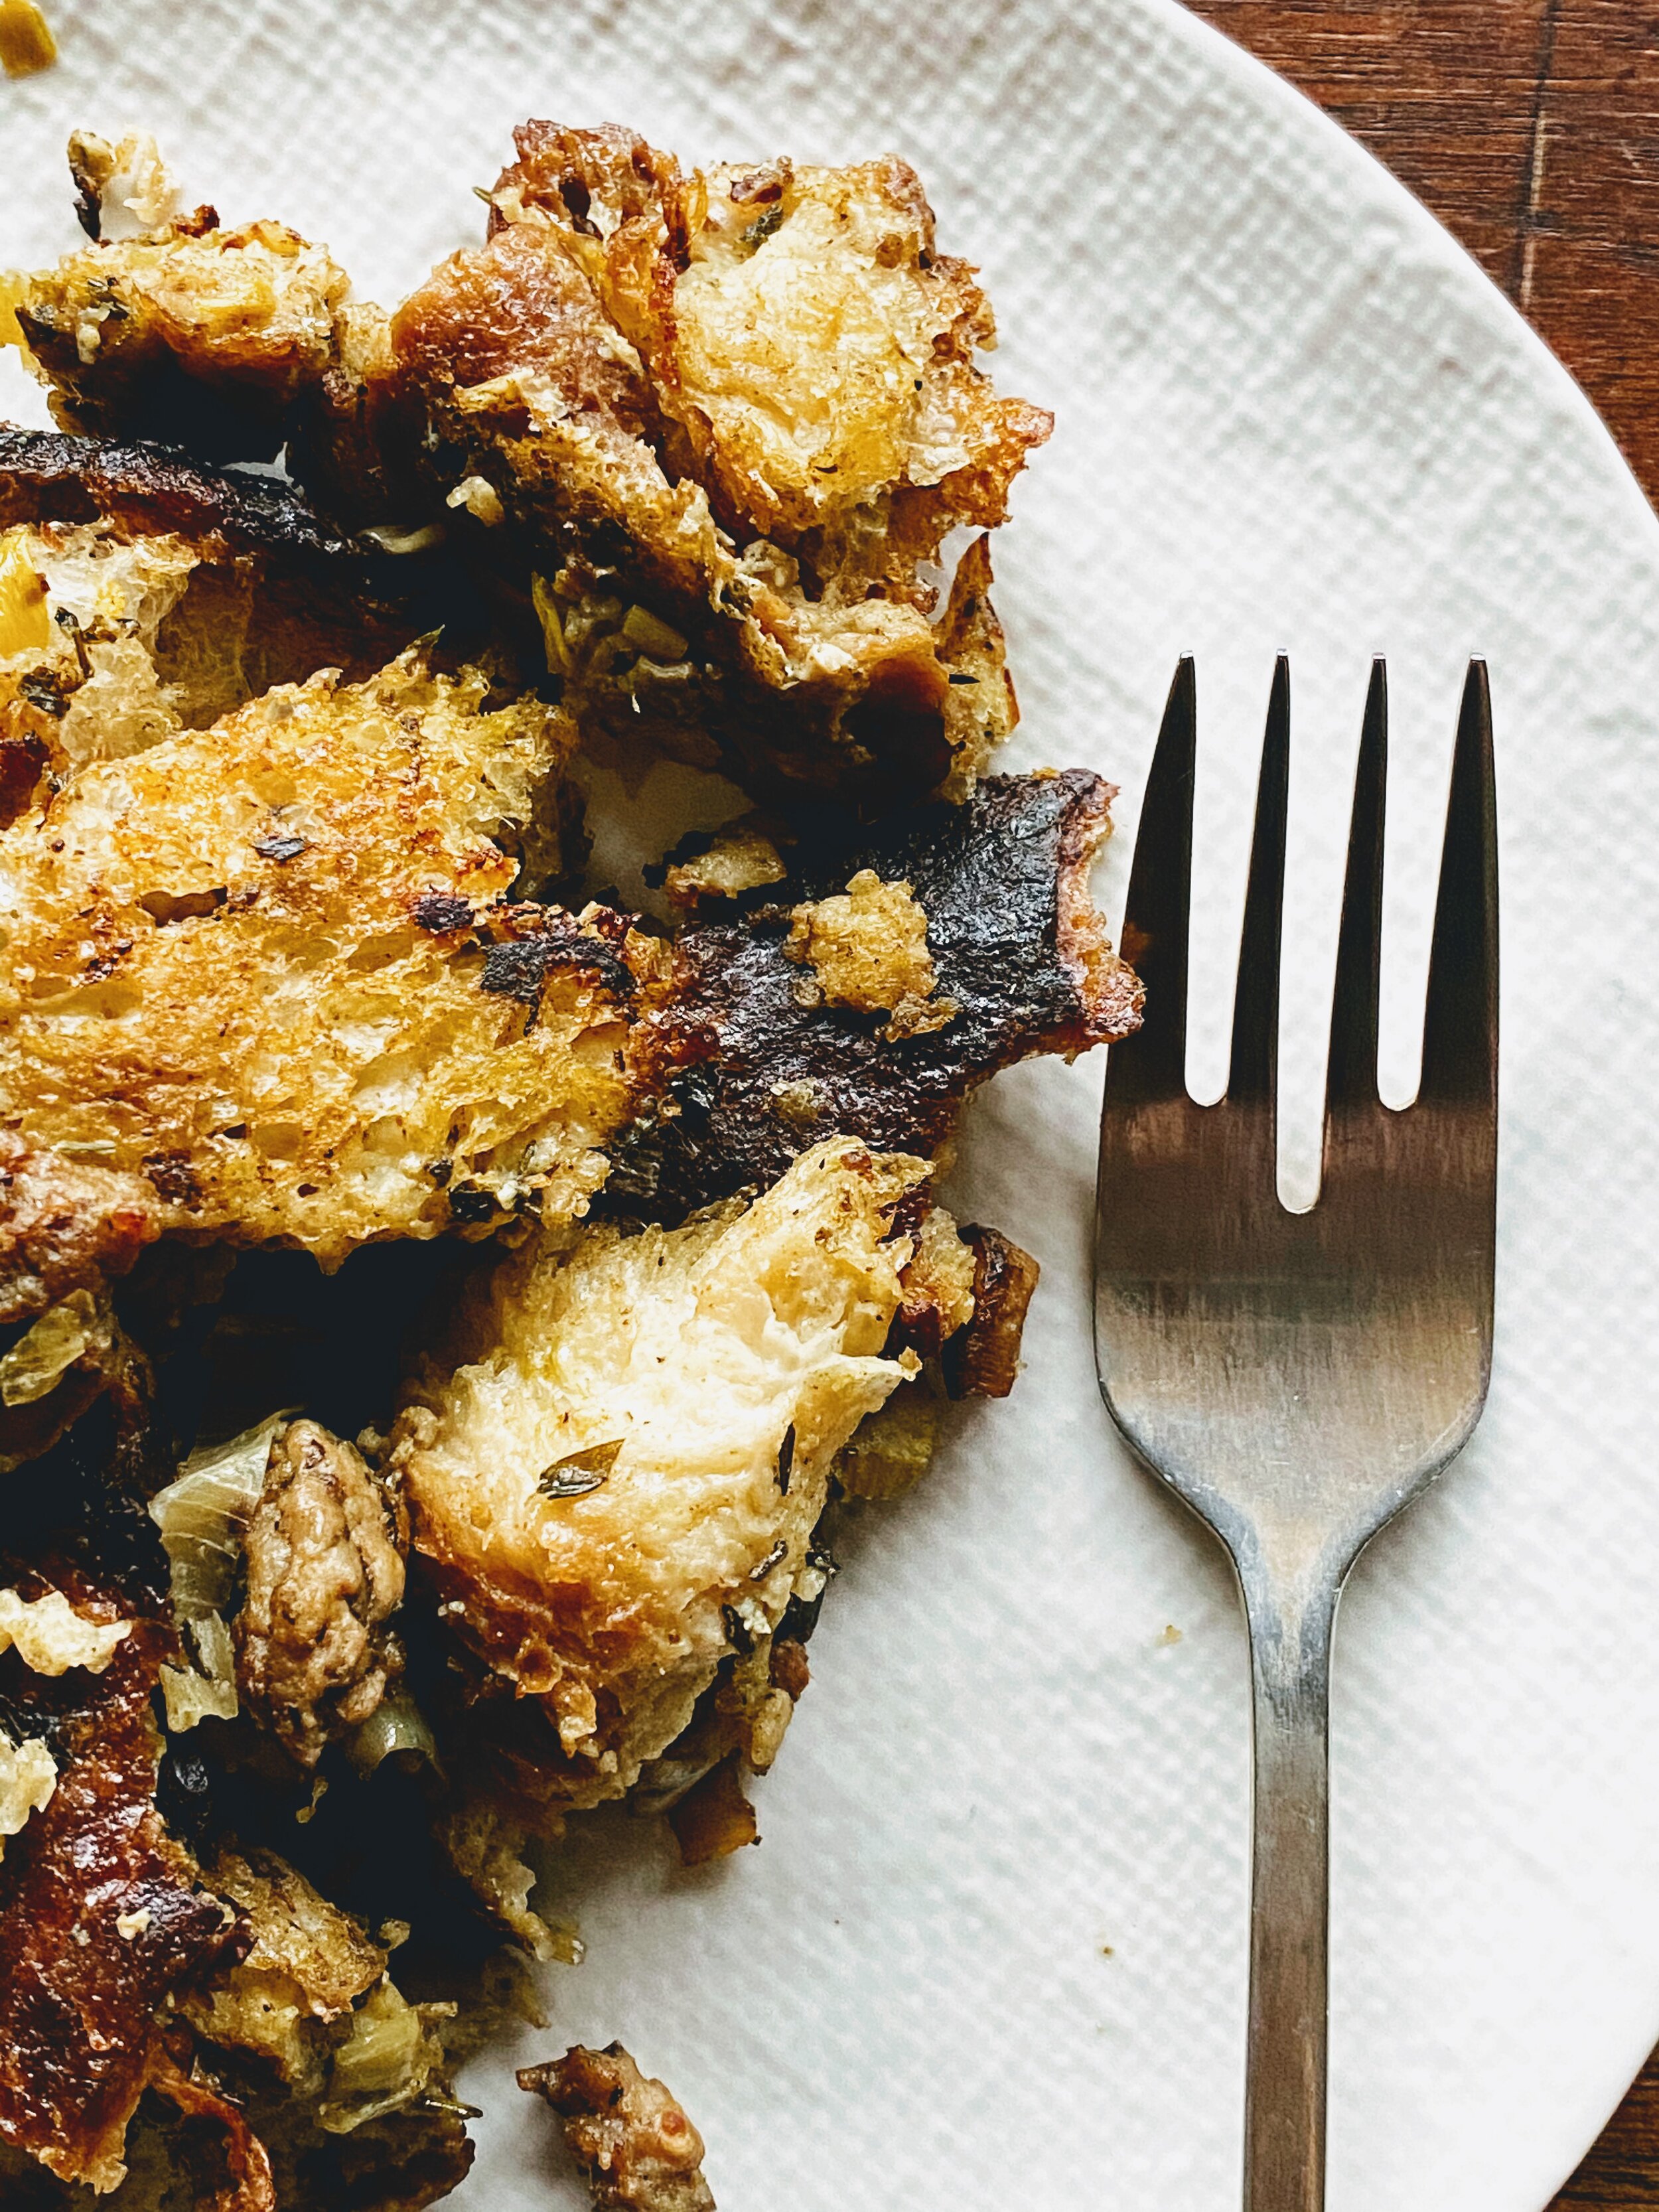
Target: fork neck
[
  {"x": 1290, "y": 1595},
  {"x": 1290, "y": 1622}
]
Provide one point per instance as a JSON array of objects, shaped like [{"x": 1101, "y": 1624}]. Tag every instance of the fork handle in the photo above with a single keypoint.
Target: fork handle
[{"x": 1290, "y": 1893}]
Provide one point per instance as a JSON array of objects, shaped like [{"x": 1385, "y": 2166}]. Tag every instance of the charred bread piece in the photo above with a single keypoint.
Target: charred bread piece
[
  {"x": 630, "y": 2136},
  {"x": 774, "y": 1054},
  {"x": 141, "y": 594},
  {"x": 150, "y": 490},
  {"x": 265, "y": 981}
]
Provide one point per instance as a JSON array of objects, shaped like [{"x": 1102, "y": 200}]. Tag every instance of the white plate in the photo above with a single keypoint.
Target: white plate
[{"x": 1291, "y": 413}]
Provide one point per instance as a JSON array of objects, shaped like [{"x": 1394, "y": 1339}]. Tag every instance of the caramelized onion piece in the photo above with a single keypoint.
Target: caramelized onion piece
[
  {"x": 714, "y": 1818},
  {"x": 981, "y": 1360}
]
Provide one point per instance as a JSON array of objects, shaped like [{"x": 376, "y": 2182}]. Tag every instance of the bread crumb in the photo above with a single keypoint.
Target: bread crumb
[
  {"x": 479, "y": 496},
  {"x": 1171, "y": 1635},
  {"x": 28, "y": 1776},
  {"x": 27, "y": 45},
  {"x": 50, "y": 1636},
  {"x": 741, "y": 856},
  {"x": 867, "y": 946}
]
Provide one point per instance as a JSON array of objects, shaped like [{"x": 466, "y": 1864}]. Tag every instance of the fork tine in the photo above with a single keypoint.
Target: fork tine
[
  {"x": 1255, "y": 1000},
  {"x": 1460, "y": 1033},
  {"x": 1350, "y": 1074},
  {"x": 1156, "y": 919}
]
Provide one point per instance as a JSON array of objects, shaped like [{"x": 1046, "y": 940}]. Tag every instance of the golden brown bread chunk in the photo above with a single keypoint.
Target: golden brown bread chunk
[
  {"x": 263, "y": 979},
  {"x": 632, "y": 2142},
  {"x": 867, "y": 948},
  {"x": 187, "y": 333},
  {"x": 728, "y": 415},
  {"x": 324, "y": 1574},
  {"x": 614, "y": 1470},
  {"x": 712, "y": 867},
  {"x": 802, "y": 335},
  {"x": 725, "y": 419},
  {"x": 100, "y": 1911}
]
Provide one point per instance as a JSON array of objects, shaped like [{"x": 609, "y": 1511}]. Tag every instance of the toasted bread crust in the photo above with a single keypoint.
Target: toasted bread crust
[
  {"x": 724, "y": 416},
  {"x": 79, "y": 1997},
  {"x": 318, "y": 1018},
  {"x": 188, "y": 331},
  {"x": 359, "y": 607},
  {"x": 172, "y": 593}
]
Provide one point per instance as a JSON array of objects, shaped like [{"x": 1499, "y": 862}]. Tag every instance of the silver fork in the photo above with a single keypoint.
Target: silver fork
[{"x": 1296, "y": 1378}]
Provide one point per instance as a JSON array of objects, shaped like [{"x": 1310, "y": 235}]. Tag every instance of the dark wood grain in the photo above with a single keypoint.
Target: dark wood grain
[
  {"x": 1623, "y": 2169},
  {"x": 1531, "y": 128}
]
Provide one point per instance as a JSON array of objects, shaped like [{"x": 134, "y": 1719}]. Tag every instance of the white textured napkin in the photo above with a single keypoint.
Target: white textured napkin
[{"x": 991, "y": 1953}]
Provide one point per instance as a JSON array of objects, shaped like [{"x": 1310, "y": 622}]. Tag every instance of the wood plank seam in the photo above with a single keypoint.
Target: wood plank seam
[{"x": 1524, "y": 251}]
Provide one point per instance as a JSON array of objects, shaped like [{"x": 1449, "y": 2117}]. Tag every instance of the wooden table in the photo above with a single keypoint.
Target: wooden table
[{"x": 1531, "y": 128}]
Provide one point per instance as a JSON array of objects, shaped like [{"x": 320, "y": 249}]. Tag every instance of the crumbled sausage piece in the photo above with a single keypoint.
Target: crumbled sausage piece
[
  {"x": 62, "y": 1223},
  {"x": 867, "y": 948},
  {"x": 324, "y": 1574},
  {"x": 636, "y": 2147}
]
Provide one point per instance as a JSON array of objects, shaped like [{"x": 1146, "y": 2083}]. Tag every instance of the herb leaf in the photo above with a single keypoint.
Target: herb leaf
[
  {"x": 579, "y": 1472},
  {"x": 762, "y": 228}
]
